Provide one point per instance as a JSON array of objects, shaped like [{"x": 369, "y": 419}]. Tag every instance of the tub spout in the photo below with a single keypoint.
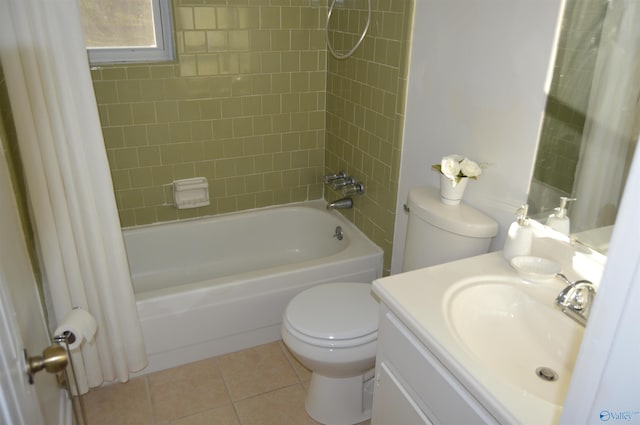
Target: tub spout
[{"x": 341, "y": 204}]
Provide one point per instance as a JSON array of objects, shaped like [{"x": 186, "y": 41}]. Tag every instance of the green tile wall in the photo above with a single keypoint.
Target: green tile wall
[
  {"x": 243, "y": 105},
  {"x": 365, "y": 110},
  {"x": 255, "y": 104}
]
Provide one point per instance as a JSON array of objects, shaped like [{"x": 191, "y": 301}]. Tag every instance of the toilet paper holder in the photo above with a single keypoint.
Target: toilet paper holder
[{"x": 67, "y": 338}]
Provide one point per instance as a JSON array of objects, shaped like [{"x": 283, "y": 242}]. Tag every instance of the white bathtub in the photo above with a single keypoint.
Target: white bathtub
[{"x": 210, "y": 286}]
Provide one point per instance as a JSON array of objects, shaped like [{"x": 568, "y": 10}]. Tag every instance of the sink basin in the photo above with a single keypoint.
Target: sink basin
[{"x": 516, "y": 333}]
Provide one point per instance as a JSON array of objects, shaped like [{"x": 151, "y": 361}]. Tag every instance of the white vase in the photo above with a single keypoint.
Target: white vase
[{"x": 449, "y": 194}]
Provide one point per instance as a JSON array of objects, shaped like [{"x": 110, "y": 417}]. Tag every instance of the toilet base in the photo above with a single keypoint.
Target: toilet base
[{"x": 340, "y": 401}]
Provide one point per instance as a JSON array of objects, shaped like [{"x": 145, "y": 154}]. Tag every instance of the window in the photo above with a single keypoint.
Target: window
[{"x": 127, "y": 30}]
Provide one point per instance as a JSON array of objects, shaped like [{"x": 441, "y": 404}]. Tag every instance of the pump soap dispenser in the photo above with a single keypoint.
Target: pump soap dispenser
[
  {"x": 559, "y": 220},
  {"x": 519, "y": 236}
]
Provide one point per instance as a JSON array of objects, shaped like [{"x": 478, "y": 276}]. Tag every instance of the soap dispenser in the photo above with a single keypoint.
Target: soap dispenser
[
  {"x": 519, "y": 236},
  {"x": 559, "y": 220}
]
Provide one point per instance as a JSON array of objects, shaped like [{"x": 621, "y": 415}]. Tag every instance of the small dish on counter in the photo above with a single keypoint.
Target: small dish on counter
[{"x": 535, "y": 269}]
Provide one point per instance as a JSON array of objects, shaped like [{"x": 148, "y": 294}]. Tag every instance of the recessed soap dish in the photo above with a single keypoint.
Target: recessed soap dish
[
  {"x": 535, "y": 269},
  {"x": 191, "y": 193}
]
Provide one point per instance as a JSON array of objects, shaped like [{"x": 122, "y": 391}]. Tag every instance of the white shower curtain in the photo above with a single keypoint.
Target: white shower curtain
[
  {"x": 68, "y": 182},
  {"x": 612, "y": 117}
]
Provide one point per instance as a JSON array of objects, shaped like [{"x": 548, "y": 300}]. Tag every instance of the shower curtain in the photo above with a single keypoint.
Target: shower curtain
[
  {"x": 611, "y": 126},
  {"x": 69, "y": 185}
]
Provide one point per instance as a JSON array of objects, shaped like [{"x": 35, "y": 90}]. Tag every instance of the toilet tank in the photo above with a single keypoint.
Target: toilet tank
[{"x": 439, "y": 233}]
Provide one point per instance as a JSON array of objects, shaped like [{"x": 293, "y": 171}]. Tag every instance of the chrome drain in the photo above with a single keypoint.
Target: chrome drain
[{"x": 547, "y": 374}]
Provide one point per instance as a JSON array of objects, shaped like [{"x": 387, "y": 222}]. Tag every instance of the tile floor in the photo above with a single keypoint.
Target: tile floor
[{"x": 263, "y": 385}]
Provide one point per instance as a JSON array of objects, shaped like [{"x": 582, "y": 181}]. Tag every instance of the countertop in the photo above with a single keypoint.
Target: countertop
[{"x": 419, "y": 299}]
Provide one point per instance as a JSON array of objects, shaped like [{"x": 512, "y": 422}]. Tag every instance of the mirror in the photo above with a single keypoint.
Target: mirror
[{"x": 591, "y": 122}]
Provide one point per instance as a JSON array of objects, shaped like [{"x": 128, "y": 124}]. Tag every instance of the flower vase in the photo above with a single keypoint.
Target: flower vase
[{"x": 450, "y": 195}]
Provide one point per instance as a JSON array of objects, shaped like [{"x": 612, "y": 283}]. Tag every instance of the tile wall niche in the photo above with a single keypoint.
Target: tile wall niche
[
  {"x": 366, "y": 96},
  {"x": 243, "y": 106}
]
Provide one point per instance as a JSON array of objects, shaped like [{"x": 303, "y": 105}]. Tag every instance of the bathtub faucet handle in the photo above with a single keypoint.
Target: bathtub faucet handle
[
  {"x": 342, "y": 183},
  {"x": 331, "y": 177},
  {"x": 355, "y": 188}
]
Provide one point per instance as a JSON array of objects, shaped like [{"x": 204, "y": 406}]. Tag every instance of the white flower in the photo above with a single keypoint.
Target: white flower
[
  {"x": 456, "y": 167},
  {"x": 470, "y": 168},
  {"x": 450, "y": 166}
]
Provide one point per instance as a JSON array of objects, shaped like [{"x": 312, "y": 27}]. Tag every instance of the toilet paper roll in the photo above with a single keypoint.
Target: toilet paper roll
[{"x": 80, "y": 324}]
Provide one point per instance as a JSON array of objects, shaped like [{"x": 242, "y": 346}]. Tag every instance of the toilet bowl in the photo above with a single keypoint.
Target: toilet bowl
[{"x": 332, "y": 330}]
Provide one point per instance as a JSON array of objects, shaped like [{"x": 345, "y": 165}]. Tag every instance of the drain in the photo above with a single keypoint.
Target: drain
[{"x": 547, "y": 374}]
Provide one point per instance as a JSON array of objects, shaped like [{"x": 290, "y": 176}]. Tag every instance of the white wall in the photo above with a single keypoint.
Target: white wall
[{"x": 477, "y": 85}]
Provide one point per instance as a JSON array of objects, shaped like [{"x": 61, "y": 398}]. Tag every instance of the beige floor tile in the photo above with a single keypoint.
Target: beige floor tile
[
  {"x": 303, "y": 374},
  {"x": 280, "y": 407},
  {"x": 187, "y": 390},
  {"x": 119, "y": 404},
  {"x": 225, "y": 415},
  {"x": 256, "y": 370}
]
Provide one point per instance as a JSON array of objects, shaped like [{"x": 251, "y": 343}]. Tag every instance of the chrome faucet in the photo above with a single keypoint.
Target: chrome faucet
[
  {"x": 341, "y": 204},
  {"x": 576, "y": 298},
  {"x": 347, "y": 185},
  {"x": 340, "y": 184},
  {"x": 333, "y": 177}
]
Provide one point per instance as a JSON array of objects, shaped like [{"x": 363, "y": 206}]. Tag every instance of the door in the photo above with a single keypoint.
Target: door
[{"x": 22, "y": 325}]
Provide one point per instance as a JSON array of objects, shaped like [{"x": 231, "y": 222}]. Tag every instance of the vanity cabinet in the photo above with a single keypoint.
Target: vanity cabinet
[{"x": 413, "y": 387}]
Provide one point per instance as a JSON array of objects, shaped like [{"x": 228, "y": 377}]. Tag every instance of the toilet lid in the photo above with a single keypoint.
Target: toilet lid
[{"x": 334, "y": 311}]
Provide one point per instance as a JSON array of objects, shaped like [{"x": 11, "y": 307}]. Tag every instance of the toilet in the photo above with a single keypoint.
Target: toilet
[{"x": 332, "y": 328}]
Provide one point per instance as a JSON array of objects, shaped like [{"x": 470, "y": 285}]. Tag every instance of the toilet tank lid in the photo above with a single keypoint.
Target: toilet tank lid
[{"x": 460, "y": 219}]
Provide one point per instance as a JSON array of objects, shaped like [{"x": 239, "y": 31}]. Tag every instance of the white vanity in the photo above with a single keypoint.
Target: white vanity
[
  {"x": 414, "y": 387},
  {"x": 472, "y": 342}
]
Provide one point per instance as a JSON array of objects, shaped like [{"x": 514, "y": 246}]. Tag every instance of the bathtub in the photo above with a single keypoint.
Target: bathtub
[{"x": 215, "y": 285}]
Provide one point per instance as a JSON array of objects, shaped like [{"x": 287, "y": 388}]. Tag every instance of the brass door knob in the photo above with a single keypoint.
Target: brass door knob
[{"x": 53, "y": 359}]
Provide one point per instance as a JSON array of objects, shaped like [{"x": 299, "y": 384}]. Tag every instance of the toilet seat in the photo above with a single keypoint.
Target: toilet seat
[{"x": 337, "y": 315}]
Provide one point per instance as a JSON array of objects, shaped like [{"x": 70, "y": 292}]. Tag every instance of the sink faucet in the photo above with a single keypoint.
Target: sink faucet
[{"x": 576, "y": 298}]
